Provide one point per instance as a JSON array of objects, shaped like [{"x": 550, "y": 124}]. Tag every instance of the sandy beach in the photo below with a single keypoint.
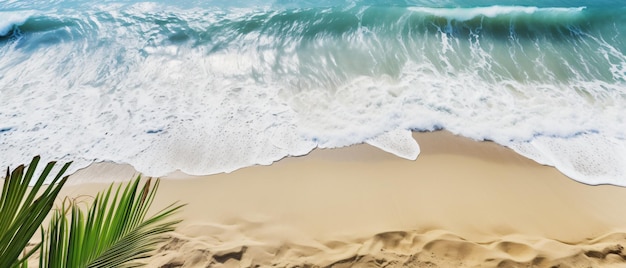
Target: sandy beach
[
  {"x": 256, "y": 92},
  {"x": 462, "y": 203}
]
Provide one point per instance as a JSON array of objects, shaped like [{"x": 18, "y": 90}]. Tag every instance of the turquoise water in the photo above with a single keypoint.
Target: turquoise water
[{"x": 213, "y": 86}]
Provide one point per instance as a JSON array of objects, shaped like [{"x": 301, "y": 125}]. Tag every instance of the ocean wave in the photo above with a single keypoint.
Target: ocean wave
[
  {"x": 10, "y": 20},
  {"x": 208, "y": 90}
]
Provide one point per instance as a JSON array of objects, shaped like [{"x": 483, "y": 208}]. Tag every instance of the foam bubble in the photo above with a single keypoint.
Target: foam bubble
[
  {"x": 399, "y": 142},
  {"x": 591, "y": 158}
]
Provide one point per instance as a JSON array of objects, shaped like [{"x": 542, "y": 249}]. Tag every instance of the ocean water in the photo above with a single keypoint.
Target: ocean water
[{"x": 213, "y": 86}]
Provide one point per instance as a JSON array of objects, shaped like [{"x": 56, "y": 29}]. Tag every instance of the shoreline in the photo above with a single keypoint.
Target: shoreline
[{"x": 461, "y": 201}]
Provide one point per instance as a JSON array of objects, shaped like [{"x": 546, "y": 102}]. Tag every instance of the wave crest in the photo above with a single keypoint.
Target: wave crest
[
  {"x": 464, "y": 14},
  {"x": 11, "y": 19}
]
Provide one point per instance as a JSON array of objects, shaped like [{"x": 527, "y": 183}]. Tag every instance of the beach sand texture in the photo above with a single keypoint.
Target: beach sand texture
[
  {"x": 462, "y": 203},
  {"x": 258, "y": 92}
]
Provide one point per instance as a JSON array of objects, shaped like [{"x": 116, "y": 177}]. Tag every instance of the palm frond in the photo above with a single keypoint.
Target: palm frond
[
  {"x": 113, "y": 232},
  {"x": 20, "y": 213}
]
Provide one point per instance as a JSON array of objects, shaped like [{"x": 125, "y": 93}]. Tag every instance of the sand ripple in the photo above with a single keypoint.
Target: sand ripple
[{"x": 225, "y": 246}]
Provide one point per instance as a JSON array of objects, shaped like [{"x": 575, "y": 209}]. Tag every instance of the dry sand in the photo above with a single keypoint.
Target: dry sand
[{"x": 460, "y": 204}]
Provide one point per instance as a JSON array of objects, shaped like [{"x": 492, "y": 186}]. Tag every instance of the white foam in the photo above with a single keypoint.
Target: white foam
[
  {"x": 591, "y": 158},
  {"x": 399, "y": 142}
]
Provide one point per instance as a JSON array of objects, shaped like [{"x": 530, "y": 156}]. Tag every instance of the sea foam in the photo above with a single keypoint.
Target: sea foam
[{"x": 590, "y": 158}]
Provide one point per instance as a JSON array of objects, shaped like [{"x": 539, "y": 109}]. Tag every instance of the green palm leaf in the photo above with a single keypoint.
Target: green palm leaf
[
  {"x": 20, "y": 213},
  {"x": 114, "y": 232}
]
